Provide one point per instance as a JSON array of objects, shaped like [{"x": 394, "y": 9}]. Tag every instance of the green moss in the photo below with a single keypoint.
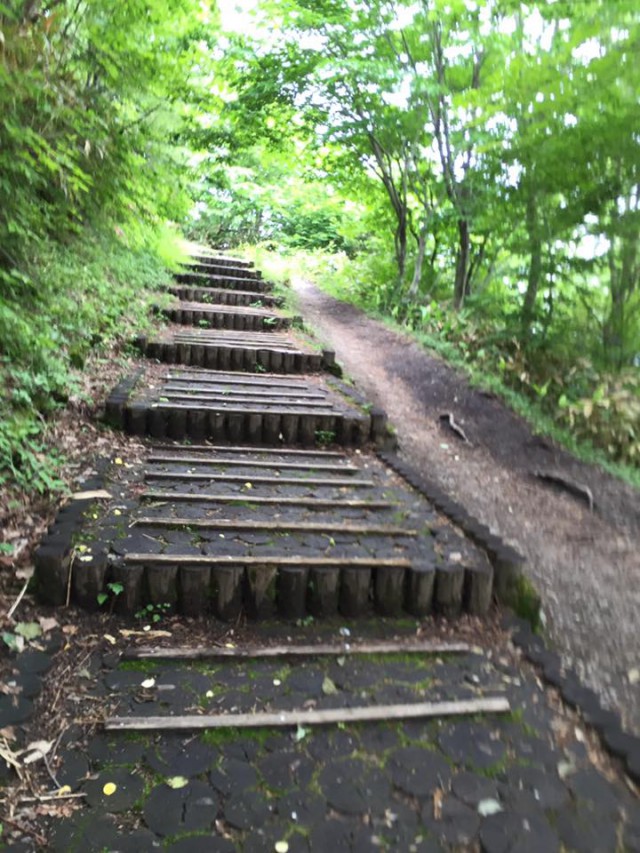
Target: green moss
[{"x": 526, "y": 602}]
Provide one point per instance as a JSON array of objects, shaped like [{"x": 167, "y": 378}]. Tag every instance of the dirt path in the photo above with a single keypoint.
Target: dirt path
[{"x": 585, "y": 565}]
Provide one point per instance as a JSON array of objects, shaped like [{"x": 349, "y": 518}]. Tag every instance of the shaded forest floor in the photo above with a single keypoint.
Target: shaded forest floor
[{"x": 584, "y": 563}]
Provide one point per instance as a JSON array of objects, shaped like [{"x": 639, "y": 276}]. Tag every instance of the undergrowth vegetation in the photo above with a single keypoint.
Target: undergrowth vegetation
[{"x": 81, "y": 296}]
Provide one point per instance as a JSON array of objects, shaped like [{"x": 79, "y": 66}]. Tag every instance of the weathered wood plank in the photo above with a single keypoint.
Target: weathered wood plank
[
  {"x": 270, "y": 560},
  {"x": 490, "y": 705},
  {"x": 284, "y": 451},
  {"x": 269, "y": 481},
  {"x": 309, "y": 650},
  {"x": 251, "y": 524},
  {"x": 275, "y": 501},
  {"x": 248, "y": 463}
]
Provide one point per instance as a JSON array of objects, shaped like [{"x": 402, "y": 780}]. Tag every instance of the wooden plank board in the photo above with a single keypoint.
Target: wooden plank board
[
  {"x": 263, "y": 481},
  {"x": 489, "y": 705},
  {"x": 229, "y": 389},
  {"x": 276, "y": 451},
  {"x": 245, "y": 310},
  {"x": 423, "y": 647},
  {"x": 267, "y": 380},
  {"x": 268, "y": 560},
  {"x": 312, "y": 503},
  {"x": 293, "y": 526},
  {"x": 289, "y": 466},
  {"x": 247, "y": 398},
  {"x": 236, "y": 406}
]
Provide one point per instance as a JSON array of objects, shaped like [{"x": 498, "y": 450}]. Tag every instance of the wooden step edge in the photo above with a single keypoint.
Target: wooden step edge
[
  {"x": 294, "y": 526},
  {"x": 313, "y": 403},
  {"x": 308, "y": 503},
  {"x": 263, "y": 481},
  {"x": 234, "y": 408},
  {"x": 222, "y": 448},
  {"x": 269, "y": 560},
  {"x": 310, "y": 650},
  {"x": 171, "y": 391},
  {"x": 325, "y": 716},
  {"x": 288, "y": 466}
]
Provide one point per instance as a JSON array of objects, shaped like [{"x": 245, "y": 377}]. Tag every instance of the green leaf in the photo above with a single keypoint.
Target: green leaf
[
  {"x": 28, "y": 630},
  {"x": 177, "y": 782}
]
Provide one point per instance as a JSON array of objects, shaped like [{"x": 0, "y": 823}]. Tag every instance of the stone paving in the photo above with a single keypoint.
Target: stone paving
[
  {"x": 519, "y": 782},
  {"x": 317, "y": 537}
]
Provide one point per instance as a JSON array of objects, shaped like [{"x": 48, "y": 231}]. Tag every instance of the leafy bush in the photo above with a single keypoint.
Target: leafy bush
[
  {"x": 83, "y": 295},
  {"x": 610, "y": 417}
]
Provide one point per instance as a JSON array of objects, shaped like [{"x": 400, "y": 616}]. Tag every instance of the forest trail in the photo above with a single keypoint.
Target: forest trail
[{"x": 584, "y": 564}]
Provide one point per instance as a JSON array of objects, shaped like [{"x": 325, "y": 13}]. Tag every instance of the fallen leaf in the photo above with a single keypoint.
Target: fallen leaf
[
  {"x": 70, "y": 630},
  {"x": 118, "y": 461},
  {"x": 177, "y": 782},
  {"x": 28, "y": 630},
  {"x": 148, "y": 683},
  {"x": 438, "y": 796},
  {"x": 634, "y": 675},
  {"x": 48, "y": 623},
  {"x": 489, "y": 807},
  {"x": 328, "y": 687},
  {"x": 36, "y": 751},
  {"x": 13, "y": 641},
  {"x": 566, "y": 768},
  {"x": 110, "y": 639}
]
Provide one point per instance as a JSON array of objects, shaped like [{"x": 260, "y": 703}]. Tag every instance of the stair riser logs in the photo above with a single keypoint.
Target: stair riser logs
[
  {"x": 223, "y": 279},
  {"x": 227, "y": 320},
  {"x": 250, "y": 426},
  {"x": 240, "y": 298},
  {"x": 235, "y": 358}
]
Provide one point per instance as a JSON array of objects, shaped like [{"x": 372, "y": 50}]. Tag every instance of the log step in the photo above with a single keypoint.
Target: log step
[
  {"x": 256, "y": 543},
  {"x": 225, "y": 317},
  {"x": 224, "y": 296},
  {"x": 224, "y": 279},
  {"x": 223, "y": 260},
  {"x": 257, "y": 411},
  {"x": 225, "y": 266},
  {"x": 224, "y": 353}
]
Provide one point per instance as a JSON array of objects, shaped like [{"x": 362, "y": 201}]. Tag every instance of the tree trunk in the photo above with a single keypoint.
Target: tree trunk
[
  {"x": 417, "y": 272},
  {"x": 535, "y": 266},
  {"x": 462, "y": 285},
  {"x": 624, "y": 277}
]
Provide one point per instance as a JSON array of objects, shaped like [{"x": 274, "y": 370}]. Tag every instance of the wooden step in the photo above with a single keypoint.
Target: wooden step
[
  {"x": 237, "y": 550},
  {"x": 224, "y": 279},
  {"x": 224, "y": 296},
  {"x": 220, "y": 353},
  {"x": 224, "y": 317}
]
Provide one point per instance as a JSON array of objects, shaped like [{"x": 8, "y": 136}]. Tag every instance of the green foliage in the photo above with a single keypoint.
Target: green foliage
[
  {"x": 153, "y": 612},
  {"x": 114, "y": 589},
  {"x": 81, "y": 296},
  {"x": 609, "y": 417}
]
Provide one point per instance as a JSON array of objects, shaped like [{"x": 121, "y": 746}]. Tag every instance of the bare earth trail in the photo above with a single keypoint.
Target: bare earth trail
[{"x": 585, "y": 565}]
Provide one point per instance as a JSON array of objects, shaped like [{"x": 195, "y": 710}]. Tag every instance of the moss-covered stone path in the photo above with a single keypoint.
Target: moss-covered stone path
[{"x": 260, "y": 507}]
